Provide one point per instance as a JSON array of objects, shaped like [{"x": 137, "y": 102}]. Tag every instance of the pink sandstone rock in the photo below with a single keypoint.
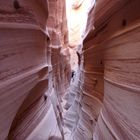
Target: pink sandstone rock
[{"x": 39, "y": 98}]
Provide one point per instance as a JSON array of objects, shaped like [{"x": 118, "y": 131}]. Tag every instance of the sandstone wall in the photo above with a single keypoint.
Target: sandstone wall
[
  {"x": 34, "y": 68},
  {"x": 37, "y": 99},
  {"x": 103, "y": 101}
]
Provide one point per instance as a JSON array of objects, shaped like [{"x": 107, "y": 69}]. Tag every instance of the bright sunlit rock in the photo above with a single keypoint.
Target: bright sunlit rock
[{"x": 77, "y": 12}]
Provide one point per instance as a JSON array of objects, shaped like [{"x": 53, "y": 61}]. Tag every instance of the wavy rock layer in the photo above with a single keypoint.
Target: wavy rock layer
[
  {"x": 103, "y": 101},
  {"x": 34, "y": 71},
  {"x": 39, "y": 100}
]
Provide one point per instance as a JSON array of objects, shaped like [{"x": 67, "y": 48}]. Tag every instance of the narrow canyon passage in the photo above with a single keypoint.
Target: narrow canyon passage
[{"x": 69, "y": 70}]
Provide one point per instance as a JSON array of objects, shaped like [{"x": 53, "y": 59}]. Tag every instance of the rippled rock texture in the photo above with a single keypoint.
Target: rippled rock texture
[
  {"x": 103, "y": 101},
  {"x": 34, "y": 68},
  {"x": 40, "y": 100}
]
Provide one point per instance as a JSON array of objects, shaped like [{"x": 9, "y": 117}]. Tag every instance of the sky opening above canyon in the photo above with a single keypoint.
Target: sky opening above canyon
[{"x": 77, "y": 14}]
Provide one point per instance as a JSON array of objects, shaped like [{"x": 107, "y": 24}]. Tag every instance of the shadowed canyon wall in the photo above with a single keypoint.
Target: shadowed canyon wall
[
  {"x": 34, "y": 70},
  {"x": 39, "y": 100}
]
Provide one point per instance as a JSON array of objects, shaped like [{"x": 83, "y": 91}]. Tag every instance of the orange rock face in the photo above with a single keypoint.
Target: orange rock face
[{"x": 40, "y": 99}]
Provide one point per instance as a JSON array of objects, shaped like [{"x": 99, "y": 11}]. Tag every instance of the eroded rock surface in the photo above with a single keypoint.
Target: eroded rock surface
[
  {"x": 103, "y": 101},
  {"x": 40, "y": 99},
  {"x": 34, "y": 71}
]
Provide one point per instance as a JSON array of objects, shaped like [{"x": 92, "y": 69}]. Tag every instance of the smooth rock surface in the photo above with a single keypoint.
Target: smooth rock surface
[{"x": 40, "y": 97}]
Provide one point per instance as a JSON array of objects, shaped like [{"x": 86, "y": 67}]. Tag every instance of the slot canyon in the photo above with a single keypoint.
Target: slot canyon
[{"x": 69, "y": 69}]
